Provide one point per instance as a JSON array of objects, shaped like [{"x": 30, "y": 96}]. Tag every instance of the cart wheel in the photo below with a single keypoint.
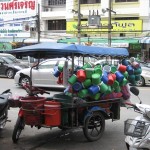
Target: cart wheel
[
  {"x": 19, "y": 126},
  {"x": 94, "y": 126}
]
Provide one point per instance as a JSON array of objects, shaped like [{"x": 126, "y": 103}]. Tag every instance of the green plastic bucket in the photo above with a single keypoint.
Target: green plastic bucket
[
  {"x": 98, "y": 66},
  {"x": 131, "y": 79},
  {"x": 103, "y": 87},
  {"x": 117, "y": 89},
  {"x": 109, "y": 90},
  {"x": 83, "y": 93},
  {"x": 98, "y": 71},
  {"x": 89, "y": 72},
  {"x": 137, "y": 71},
  {"x": 96, "y": 96},
  {"x": 95, "y": 79},
  {"x": 137, "y": 77},
  {"x": 72, "y": 79},
  {"x": 113, "y": 69},
  {"x": 87, "y": 65},
  {"x": 60, "y": 67},
  {"x": 124, "y": 82},
  {"x": 126, "y": 74},
  {"x": 66, "y": 102},
  {"x": 87, "y": 83},
  {"x": 116, "y": 84}
]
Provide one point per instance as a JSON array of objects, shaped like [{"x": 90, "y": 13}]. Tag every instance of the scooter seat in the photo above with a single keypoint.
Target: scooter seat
[{"x": 3, "y": 99}]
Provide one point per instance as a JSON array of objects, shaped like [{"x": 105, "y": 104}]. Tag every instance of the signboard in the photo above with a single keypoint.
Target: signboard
[
  {"x": 12, "y": 15},
  {"x": 134, "y": 26}
]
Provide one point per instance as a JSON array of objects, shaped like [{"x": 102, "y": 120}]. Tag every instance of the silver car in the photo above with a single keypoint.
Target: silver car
[{"x": 42, "y": 76}]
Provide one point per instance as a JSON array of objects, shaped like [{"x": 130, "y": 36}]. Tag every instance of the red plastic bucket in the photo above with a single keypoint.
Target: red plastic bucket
[
  {"x": 33, "y": 108},
  {"x": 52, "y": 112},
  {"x": 81, "y": 75}
]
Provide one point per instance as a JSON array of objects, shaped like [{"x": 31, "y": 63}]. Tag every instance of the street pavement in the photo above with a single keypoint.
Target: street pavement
[{"x": 56, "y": 139}]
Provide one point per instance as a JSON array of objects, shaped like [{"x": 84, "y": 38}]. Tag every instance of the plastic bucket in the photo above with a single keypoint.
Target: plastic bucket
[
  {"x": 137, "y": 77},
  {"x": 87, "y": 83},
  {"x": 83, "y": 93},
  {"x": 125, "y": 62},
  {"x": 56, "y": 72},
  {"x": 103, "y": 87},
  {"x": 122, "y": 68},
  {"x": 104, "y": 78},
  {"x": 137, "y": 71},
  {"x": 98, "y": 70},
  {"x": 117, "y": 89},
  {"x": 95, "y": 79},
  {"x": 109, "y": 90},
  {"x": 96, "y": 96},
  {"x": 135, "y": 64},
  {"x": 124, "y": 82},
  {"x": 81, "y": 75},
  {"x": 52, "y": 113},
  {"x": 115, "y": 84},
  {"x": 131, "y": 79},
  {"x": 77, "y": 86},
  {"x": 60, "y": 67},
  {"x": 119, "y": 76},
  {"x": 89, "y": 72},
  {"x": 114, "y": 76},
  {"x": 113, "y": 69},
  {"x": 94, "y": 89},
  {"x": 33, "y": 108},
  {"x": 87, "y": 65},
  {"x": 126, "y": 74},
  {"x": 110, "y": 79},
  {"x": 130, "y": 70},
  {"x": 72, "y": 79},
  {"x": 107, "y": 68}
]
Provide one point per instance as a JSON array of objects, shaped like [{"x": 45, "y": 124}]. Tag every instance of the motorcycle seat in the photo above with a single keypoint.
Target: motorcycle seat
[{"x": 3, "y": 99}]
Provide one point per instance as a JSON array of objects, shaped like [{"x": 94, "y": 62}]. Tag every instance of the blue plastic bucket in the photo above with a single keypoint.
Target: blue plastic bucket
[
  {"x": 56, "y": 72},
  {"x": 77, "y": 86},
  {"x": 119, "y": 76},
  {"x": 94, "y": 89},
  {"x": 104, "y": 78},
  {"x": 130, "y": 70}
]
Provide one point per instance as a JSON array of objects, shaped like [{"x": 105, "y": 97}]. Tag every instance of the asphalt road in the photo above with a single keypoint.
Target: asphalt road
[{"x": 56, "y": 139}]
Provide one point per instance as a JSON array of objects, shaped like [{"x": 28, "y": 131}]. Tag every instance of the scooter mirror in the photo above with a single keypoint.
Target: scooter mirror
[{"x": 134, "y": 90}]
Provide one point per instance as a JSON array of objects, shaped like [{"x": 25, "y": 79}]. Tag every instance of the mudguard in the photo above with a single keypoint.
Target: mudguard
[{"x": 92, "y": 109}]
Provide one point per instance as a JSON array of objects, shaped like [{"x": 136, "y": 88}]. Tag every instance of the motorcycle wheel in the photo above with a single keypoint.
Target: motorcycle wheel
[
  {"x": 19, "y": 126},
  {"x": 94, "y": 126},
  {"x": 4, "y": 119}
]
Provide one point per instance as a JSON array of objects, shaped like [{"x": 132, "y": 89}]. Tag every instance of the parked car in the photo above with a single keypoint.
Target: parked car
[
  {"x": 145, "y": 77},
  {"x": 42, "y": 76},
  {"x": 9, "y": 65}
]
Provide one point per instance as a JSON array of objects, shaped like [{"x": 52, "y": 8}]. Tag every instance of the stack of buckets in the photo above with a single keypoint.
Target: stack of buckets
[{"x": 96, "y": 81}]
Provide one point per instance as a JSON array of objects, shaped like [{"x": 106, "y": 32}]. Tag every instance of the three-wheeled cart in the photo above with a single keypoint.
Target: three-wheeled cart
[{"x": 64, "y": 111}]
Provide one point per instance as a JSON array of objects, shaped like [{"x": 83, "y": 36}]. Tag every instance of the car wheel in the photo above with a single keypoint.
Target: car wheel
[
  {"x": 141, "y": 82},
  {"x": 10, "y": 73},
  {"x": 24, "y": 80}
]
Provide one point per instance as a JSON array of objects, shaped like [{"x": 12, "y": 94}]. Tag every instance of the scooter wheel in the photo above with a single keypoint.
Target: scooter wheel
[
  {"x": 19, "y": 126},
  {"x": 94, "y": 126}
]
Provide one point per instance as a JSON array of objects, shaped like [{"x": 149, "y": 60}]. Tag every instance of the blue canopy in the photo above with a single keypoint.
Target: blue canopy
[{"x": 51, "y": 50}]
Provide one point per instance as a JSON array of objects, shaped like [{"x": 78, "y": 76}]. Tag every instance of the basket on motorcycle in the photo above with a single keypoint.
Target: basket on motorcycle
[
  {"x": 33, "y": 108},
  {"x": 135, "y": 128}
]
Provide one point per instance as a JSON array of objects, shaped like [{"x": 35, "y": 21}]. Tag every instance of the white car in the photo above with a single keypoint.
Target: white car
[{"x": 42, "y": 76}]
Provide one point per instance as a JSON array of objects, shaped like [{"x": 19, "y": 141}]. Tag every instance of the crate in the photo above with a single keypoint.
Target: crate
[{"x": 135, "y": 128}]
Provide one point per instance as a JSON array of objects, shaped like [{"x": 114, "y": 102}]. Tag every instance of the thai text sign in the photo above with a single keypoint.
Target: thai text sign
[
  {"x": 118, "y": 26},
  {"x": 12, "y": 15}
]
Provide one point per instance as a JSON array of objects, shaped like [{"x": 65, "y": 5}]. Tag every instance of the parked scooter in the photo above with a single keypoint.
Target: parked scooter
[
  {"x": 4, "y": 106},
  {"x": 137, "y": 130}
]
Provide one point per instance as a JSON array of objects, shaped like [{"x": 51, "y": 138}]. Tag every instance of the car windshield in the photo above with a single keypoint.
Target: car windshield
[{"x": 9, "y": 60}]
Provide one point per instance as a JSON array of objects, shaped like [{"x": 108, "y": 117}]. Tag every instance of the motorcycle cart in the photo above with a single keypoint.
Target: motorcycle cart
[{"x": 65, "y": 111}]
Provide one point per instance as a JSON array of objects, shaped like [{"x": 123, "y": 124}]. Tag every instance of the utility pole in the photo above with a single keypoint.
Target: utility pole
[
  {"x": 38, "y": 24},
  {"x": 109, "y": 24},
  {"x": 79, "y": 23}
]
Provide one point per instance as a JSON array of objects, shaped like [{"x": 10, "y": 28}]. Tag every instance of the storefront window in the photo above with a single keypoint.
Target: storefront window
[
  {"x": 90, "y": 1},
  {"x": 56, "y": 2},
  {"x": 56, "y": 24},
  {"x": 126, "y": 0}
]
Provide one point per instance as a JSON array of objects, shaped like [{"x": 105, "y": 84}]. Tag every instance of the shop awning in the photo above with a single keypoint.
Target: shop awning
[
  {"x": 145, "y": 40},
  {"x": 115, "y": 42},
  {"x": 15, "y": 39}
]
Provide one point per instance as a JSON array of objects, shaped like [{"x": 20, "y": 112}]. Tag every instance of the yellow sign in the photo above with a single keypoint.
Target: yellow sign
[{"x": 118, "y": 26}]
